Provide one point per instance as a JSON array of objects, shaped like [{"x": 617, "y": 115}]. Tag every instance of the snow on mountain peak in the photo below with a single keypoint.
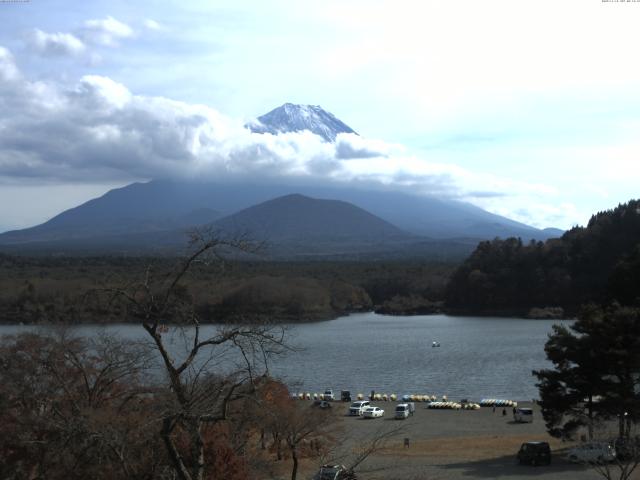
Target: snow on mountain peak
[{"x": 291, "y": 117}]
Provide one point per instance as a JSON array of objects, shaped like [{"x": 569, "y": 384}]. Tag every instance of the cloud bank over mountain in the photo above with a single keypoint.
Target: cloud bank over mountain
[
  {"x": 97, "y": 129},
  {"x": 541, "y": 128}
]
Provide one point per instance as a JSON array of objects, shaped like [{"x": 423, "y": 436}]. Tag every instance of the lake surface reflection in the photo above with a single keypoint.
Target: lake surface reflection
[{"x": 478, "y": 357}]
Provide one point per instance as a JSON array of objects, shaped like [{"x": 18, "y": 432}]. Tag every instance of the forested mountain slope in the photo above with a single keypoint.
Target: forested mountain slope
[{"x": 597, "y": 263}]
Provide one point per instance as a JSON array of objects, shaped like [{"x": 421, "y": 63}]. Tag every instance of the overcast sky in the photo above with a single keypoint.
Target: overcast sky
[{"x": 530, "y": 109}]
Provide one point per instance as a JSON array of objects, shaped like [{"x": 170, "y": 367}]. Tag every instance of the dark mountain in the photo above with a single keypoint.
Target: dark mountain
[
  {"x": 290, "y": 227},
  {"x": 136, "y": 208},
  {"x": 159, "y": 204},
  {"x": 296, "y": 118},
  {"x": 145, "y": 209},
  {"x": 297, "y": 226},
  {"x": 299, "y": 218}
]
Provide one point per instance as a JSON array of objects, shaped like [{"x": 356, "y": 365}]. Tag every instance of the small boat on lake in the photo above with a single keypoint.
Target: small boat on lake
[{"x": 435, "y": 344}]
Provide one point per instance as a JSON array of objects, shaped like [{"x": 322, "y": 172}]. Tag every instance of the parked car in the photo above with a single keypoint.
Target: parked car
[
  {"x": 345, "y": 395},
  {"x": 403, "y": 410},
  {"x": 334, "y": 472},
  {"x": 534, "y": 453},
  {"x": 328, "y": 394},
  {"x": 523, "y": 415},
  {"x": 594, "y": 452},
  {"x": 373, "y": 412},
  {"x": 357, "y": 408}
]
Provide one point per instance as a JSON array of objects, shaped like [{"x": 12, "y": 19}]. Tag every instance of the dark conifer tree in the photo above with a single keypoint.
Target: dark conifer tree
[{"x": 596, "y": 374}]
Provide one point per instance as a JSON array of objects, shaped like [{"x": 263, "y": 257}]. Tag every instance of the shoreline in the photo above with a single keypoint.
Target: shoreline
[{"x": 292, "y": 320}]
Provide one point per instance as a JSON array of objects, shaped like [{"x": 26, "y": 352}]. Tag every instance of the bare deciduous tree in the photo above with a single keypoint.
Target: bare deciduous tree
[
  {"x": 304, "y": 430},
  {"x": 71, "y": 408},
  {"x": 202, "y": 383}
]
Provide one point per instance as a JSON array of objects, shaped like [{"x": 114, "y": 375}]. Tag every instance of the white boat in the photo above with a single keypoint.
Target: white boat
[{"x": 435, "y": 344}]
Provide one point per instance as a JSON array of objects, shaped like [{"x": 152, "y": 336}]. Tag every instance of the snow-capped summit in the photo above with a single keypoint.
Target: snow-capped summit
[{"x": 295, "y": 118}]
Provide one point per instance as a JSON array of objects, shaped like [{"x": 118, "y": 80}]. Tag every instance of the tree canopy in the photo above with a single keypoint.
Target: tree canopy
[
  {"x": 596, "y": 372},
  {"x": 597, "y": 263}
]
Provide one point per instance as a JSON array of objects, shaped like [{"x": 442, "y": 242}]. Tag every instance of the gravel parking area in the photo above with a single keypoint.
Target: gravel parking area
[{"x": 454, "y": 444}]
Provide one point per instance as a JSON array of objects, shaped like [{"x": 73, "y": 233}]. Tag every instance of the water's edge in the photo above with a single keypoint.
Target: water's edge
[{"x": 479, "y": 357}]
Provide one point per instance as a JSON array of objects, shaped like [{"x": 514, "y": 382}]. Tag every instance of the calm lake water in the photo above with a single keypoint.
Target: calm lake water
[{"x": 478, "y": 357}]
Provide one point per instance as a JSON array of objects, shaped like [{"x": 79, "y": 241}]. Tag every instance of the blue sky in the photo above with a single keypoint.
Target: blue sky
[{"x": 528, "y": 109}]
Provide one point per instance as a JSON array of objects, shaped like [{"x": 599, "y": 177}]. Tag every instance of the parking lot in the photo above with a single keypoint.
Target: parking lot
[{"x": 454, "y": 444}]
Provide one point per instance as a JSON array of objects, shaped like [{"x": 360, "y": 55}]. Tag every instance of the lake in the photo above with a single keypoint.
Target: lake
[{"x": 478, "y": 357}]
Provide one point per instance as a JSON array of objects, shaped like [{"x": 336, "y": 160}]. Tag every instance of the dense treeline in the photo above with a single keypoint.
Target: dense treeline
[
  {"x": 597, "y": 263},
  {"x": 59, "y": 289}
]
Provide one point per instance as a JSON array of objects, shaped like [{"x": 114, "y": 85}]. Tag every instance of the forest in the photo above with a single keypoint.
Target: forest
[
  {"x": 62, "y": 289},
  {"x": 599, "y": 263}
]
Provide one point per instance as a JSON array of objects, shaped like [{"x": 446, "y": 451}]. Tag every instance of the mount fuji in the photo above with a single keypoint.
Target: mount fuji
[
  {"x": 321, "y": 220},
  {"x": 297, "y": 118}
]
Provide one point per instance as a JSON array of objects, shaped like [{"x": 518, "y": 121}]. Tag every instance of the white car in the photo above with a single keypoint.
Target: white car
[
  {"x": 592, "y": 453},
  {"x": 358, "y": 408},
  {"x": 373, "y": 412},
  {"x": 328, "y": 395}
]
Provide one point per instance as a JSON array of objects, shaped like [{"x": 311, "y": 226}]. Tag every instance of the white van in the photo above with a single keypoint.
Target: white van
[
  {"x": 592, "y": 453},
  {"x": 357, "y": 408},
  {"x": 523, "y": 415},
  {"x": 402, "y": 411}
]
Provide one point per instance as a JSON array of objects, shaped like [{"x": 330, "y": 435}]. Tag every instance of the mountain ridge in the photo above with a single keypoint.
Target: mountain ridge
[
  {"x": 159, "y": 207},
  {"x": 135, "y": 205},
  {"x": 291, "y": 227},
  {"x": 297, "y": 216}
]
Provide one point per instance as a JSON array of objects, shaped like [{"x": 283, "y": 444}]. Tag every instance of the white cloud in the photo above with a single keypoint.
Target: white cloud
[
  {"x": 93, "y": 33},
  {"x": 107, "y": 31},
  {"x": 540, "y": 213},
  {"x": 98, "y": 130},
  {"x": 151, "y": 24},
  {"x": 349, "y": 146},
  {"x": 541, "y": 92},
  {"x": 55, "y": 44},
  {"x": 102, "y": 93},
  {"x": 8, "y": 69}
]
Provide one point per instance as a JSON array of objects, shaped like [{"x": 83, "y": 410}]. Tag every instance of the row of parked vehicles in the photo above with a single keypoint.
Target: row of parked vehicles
[
  {"x": 363, "y": 408},
  {"x": 539, "y": 453}
]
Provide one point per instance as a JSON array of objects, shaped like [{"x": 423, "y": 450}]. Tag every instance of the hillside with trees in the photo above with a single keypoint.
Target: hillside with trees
[
  {"x": 598, "y": 263},
  {"x": 44, "y": 290}
]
